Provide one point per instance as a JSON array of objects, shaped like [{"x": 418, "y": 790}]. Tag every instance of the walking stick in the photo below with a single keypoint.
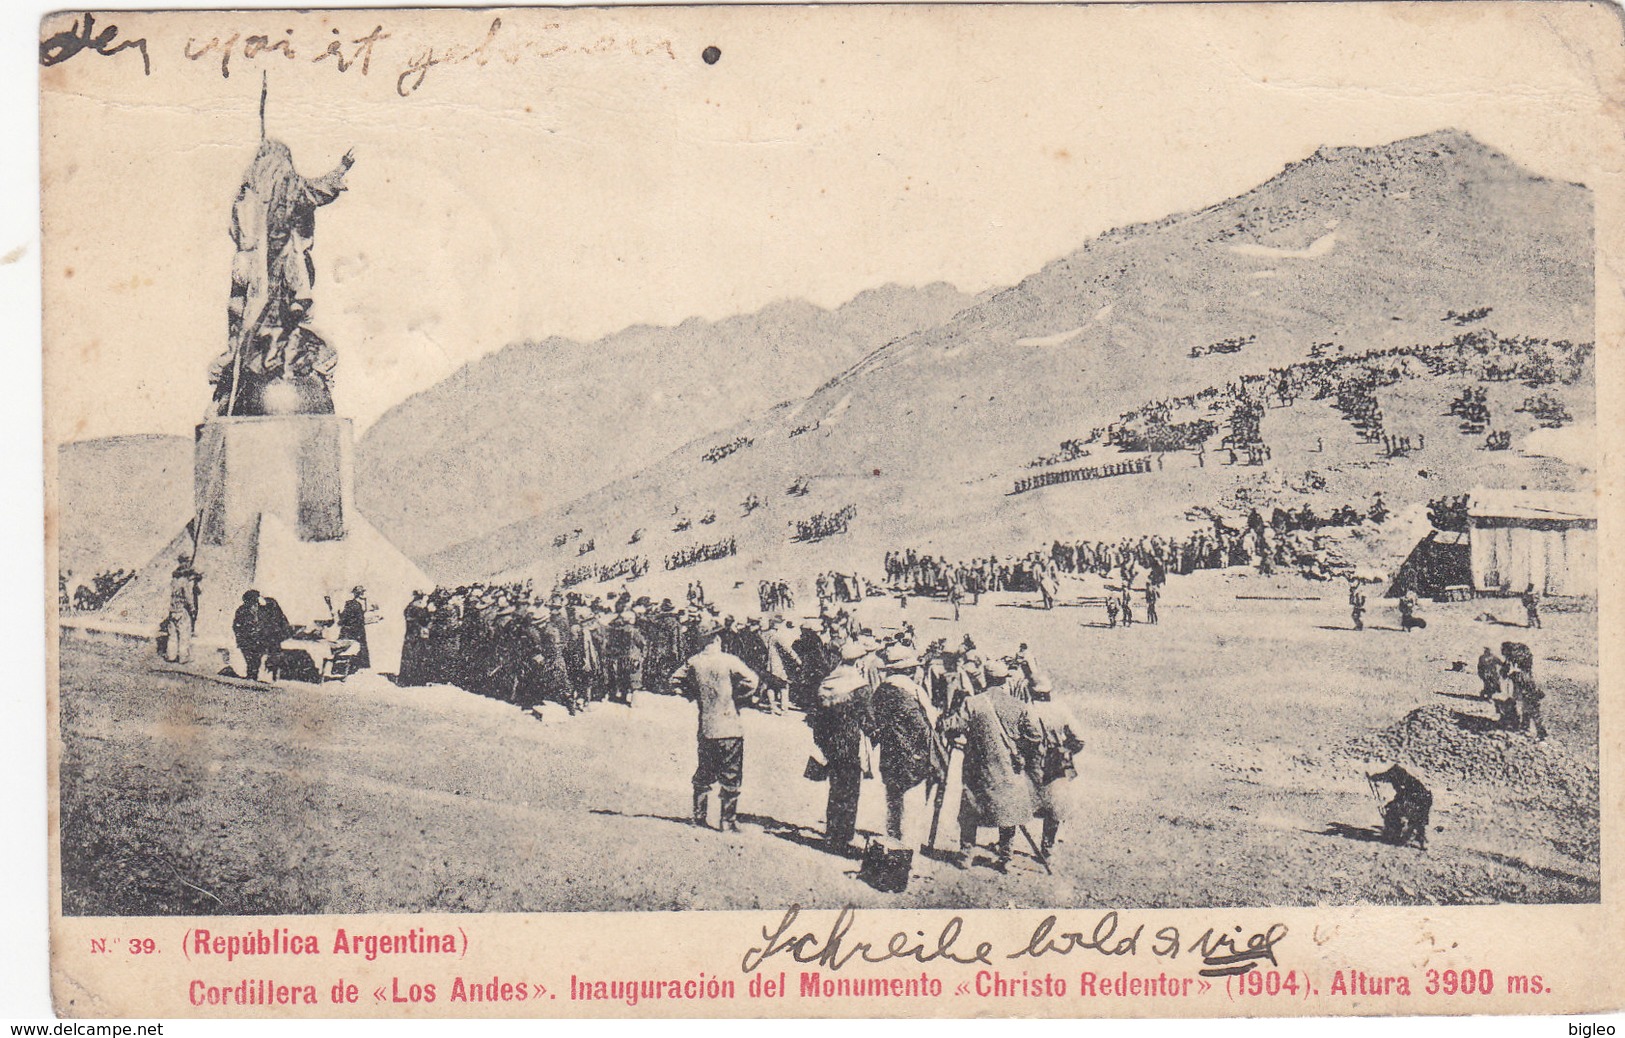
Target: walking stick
[
  {"x": 942, "y": 793},
  {"x": 1043, "y": 859}
]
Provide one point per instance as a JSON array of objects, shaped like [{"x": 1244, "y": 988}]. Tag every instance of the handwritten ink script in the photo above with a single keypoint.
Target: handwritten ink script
[
  {"x": 1223, "y": 953},
  {"x": 82, "y": 36},
  {"x": 253, "y": 45},
  {"x": 343, "y": 51}
]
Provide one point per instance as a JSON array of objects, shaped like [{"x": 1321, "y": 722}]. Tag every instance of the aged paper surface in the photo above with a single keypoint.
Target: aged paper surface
[{"x": 884, "y": 511}]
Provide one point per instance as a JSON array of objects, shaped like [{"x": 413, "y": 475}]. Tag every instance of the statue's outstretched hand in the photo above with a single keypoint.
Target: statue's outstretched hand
[{"x": 349, "y": 159}]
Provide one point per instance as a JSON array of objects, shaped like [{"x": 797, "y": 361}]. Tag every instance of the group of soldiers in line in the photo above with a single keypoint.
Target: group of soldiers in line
[
  {"x": 1350, "y": 383},
  {"x": 511, "y": 643},
  {"x": 1133, "y": 466}
]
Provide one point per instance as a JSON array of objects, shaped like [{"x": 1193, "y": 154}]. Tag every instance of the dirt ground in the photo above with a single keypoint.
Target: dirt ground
[{"x": 1225, "y": 765}]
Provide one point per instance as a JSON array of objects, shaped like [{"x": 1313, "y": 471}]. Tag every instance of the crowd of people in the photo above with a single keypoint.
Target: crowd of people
[
  {"x": 508, "y": 642},
  {"x": 92, "y": 596},
  {"x": 701, "y": 553},
  {"x": 1047, "y": 479},
  {"x": 630, "y": 568},
  {"x": 1548, "y": 411},
  {"x": 822, "y": 525},
  {"x": 717, "y": 453},
  {"x": 1348, "y": 381},
  {"x": 1267, "y": 543},
  {"x": 880, "y": 708}
]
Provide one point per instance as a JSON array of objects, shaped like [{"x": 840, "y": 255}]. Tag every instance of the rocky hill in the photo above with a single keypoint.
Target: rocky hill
[
  {"x": 1354, "y": 249},
  {"x": 537, "y": 424},
  {"x": 121, "y": 499}
]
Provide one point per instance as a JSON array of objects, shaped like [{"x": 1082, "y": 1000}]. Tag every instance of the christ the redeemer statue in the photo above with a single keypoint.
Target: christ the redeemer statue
[{"x": 274, "y": 363}]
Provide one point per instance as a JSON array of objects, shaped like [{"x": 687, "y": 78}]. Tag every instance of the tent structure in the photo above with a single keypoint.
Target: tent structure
[
  {"x": 275, "y": 514},
  {"x": 1442, "y": 559},
  {"x": 1541, "y": 539}
]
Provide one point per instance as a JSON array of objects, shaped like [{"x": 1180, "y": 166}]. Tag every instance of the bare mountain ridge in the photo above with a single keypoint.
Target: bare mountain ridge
[
  {"x": 120, "y": 499},
  {"x": 1365, "y": 248},
  {"x": 537, "y": 424}
]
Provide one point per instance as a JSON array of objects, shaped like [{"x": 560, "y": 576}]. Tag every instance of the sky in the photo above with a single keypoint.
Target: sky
[{"x": 588, "y": 170}]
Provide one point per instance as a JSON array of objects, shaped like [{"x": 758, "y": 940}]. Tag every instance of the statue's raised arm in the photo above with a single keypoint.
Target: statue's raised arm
[{"x": 274, "y": 363}]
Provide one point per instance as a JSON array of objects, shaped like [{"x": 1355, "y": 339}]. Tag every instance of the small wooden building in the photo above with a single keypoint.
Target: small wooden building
[{"x": 1541, "y": 539}]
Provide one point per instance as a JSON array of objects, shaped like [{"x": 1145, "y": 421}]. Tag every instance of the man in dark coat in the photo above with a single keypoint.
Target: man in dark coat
[
  {"x": 839, "y": 713},
  {"x": 783, "y": 665},
  {"x": 1405, "y": 817},
  {"x": 627, "y": 647},
  {"x": 557, "y": 679},
  {"x": 1489, "y": 674},
  {"x": 415, "y": 647},
  {"x": 903, "y": 728},
  {"x": 259, "y": 627},
  {"x": 813, "y": 654},
  {"x": 353, "y": 621},
  {"x": 1000, "y": 738}
]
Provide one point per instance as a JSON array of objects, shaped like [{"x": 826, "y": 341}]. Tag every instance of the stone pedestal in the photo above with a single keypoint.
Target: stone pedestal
[
  {"x": 276, "y": 514},
  {"x": 298, "y": 468}
]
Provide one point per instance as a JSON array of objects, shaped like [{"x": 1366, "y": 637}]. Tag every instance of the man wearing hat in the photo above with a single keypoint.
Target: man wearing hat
[
  {"x": 1000, "y": 739},
  {"x": 258, "y": 626},
  {"x": 627, "y": 646},
  {"x": 717, "y": 681},
  {"x": 1052, "y": 771},
  {"x": 353, "y": 621},
  {"x": 840, "y": 713},
  {"x": 813, "y": 652},
  {"x": 869, "y": 662},
  {"x": 903, "y": 727},
  {"x": 182, "y": 619},
  {"x": 783, "y": 665},
  {"x": 414, "y": 649}
]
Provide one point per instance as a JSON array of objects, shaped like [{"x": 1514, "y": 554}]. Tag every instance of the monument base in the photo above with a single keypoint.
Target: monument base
[{"x": 276, "y": 514}]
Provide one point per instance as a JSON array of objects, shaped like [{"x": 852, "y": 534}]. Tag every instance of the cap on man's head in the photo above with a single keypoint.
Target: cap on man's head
[
  {"x": 251, "y": 595},
  {"x": 996, "y": 671},
  {"x": 898, "y": 657},
  {"x": 853, "y": 651}
]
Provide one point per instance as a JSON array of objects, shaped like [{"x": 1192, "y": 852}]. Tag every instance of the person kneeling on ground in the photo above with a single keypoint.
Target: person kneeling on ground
[{"x": 1405, "y": 817}]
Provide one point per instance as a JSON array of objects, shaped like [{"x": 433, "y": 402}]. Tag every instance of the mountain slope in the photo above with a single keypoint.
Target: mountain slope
[
  {"x": 121, "y": 499},
  {"x": 1365, "y": 248},
  {"x": 537, "y": 424}
]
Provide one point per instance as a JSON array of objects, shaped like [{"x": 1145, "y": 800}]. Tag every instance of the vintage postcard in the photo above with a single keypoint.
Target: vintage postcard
[{"x": 934, "y": 511}]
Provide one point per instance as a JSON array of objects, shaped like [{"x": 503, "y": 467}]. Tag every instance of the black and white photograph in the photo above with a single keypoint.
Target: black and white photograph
[{"x": 879, "y": 458}]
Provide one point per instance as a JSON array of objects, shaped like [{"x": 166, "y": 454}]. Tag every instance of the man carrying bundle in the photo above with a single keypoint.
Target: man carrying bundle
[
  {"x": 838, "y": 717},
  {"x": 1052, "y": 769},
  {"x": 903, "y": 729}
]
